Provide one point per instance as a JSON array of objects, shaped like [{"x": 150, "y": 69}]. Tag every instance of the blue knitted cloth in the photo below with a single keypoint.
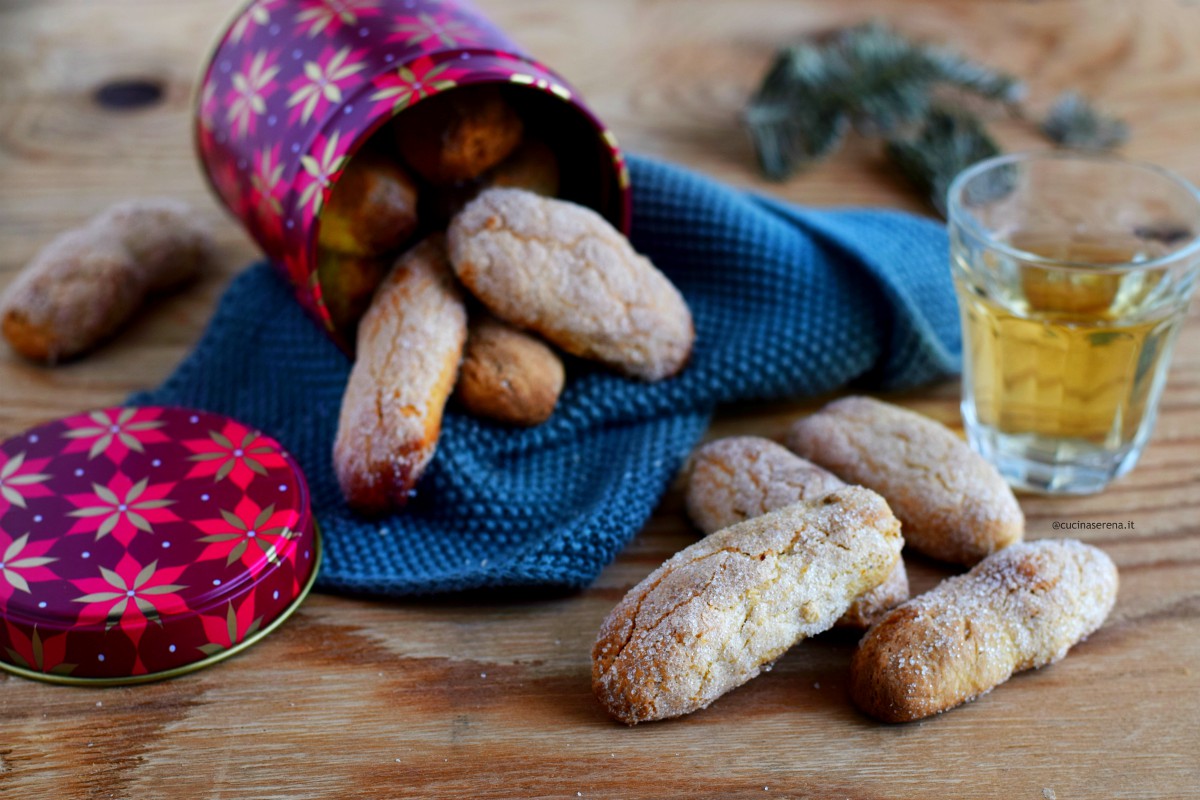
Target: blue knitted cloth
[{"x": 787, "y": 302}]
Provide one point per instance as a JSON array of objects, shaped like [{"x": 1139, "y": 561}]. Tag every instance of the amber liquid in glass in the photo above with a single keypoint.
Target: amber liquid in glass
[{"x": 1066, "y": 358}]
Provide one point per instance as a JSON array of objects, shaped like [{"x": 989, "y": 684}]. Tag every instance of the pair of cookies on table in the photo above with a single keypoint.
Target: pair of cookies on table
[{"x": 792, "y": 551}]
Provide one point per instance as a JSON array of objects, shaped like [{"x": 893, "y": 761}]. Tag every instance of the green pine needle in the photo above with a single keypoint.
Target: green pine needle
[
  {"x": 868, "y": 77},
  {"x": 948, "y": 142},
  {"x": 1073, "y": 122}
]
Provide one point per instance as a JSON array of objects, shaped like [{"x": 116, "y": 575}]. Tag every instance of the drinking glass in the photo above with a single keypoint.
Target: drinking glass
[{"x": 1073, "y": 274}]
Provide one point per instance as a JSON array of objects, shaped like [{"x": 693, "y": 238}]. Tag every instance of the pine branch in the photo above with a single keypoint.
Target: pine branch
[
  {"x": 946, "y": 144},
  {"x": 868, "y": 77},
  {"x": 1073, "y": 122},
  {"x": 793, "y": 121}
]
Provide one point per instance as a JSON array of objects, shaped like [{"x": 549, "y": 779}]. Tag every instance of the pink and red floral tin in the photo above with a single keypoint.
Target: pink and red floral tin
[
  {"x": 139, "y": 543},
  {"x": 294, "y": 87},
  {"x": 143, "y": 543}
]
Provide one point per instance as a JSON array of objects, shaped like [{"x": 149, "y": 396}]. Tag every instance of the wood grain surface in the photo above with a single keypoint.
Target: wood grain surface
[{"x": 489, "y": 696}]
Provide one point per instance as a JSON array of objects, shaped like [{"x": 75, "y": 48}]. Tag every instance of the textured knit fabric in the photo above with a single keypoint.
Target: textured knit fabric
[{"x": 787, "y": 302}]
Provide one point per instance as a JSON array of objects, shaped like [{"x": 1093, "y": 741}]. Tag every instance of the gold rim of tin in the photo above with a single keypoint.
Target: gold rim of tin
[{"x": 207, "y": 661}]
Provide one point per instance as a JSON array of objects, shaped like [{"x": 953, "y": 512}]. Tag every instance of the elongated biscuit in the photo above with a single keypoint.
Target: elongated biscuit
[
  {"x": 1021, "y": 608},
  {"x": 88, "y": 282},
  {"x": 716, "y": 613},
  {"x": 954, "y": 505},
  {"x": 737, "y": 478},
  {"x": 169, "y": 244},
  {"x": 457, "y": 135},
  {"x": 562, "y": 271},
  {"x": 741, "y": 477},
  {"x": 410, "y": 343},
  {"x": 508, "y": 375},
  {"x": 373, "y": 208}
]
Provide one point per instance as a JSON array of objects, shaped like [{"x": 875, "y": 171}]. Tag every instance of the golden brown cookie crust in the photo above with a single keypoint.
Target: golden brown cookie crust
[
  {"x": 1020, "y": 608},
  {"x": 532, "y": 167},
  {"x": 410, "y": 343},
  {"x": 508, "y": 375},
  {"x": 169, "y": 245},
  {"x": 872, "y": 606},
  {"x": 459, "y": 134},
  {"x": 954, "y": 505},
  {"x": 718, "y": 612},
  {"x": 562, "y": 271},
  {"x": 88, "y": 282},
  {"x": 737, "y": 478},
  {"x": 372, "y": 210}
]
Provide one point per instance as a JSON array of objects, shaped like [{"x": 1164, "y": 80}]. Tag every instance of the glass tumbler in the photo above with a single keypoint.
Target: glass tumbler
[{"x": 1073, "y": 274}]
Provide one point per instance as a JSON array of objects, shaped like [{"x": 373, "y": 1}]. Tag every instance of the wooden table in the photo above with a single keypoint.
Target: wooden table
[{"x": 490, "y": 697}]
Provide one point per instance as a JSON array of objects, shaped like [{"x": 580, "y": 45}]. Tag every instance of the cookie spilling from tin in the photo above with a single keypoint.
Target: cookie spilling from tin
[{"x": 491, "y": 312}]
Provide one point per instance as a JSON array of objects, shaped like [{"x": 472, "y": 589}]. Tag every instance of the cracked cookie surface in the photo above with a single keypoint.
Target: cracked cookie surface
[
  {"x": 733, "y": 479},
  {"x": 560, "y": 270},
  {"x": 718, "y": 612},
  {"x": 954, "y": 505},
  {"x": 1021, "y": 608},
  {"x": 737, "y": 478},
  {"x": 410, "y": 343}
]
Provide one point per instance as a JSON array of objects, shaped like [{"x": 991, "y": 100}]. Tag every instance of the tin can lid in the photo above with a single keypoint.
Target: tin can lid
[{"x": 142, "y": 543}]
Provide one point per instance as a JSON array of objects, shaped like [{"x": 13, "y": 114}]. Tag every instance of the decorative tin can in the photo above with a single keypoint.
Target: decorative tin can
[
  {"x": 141, "y": 543},
  {"x": 294, "y": 87}
]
